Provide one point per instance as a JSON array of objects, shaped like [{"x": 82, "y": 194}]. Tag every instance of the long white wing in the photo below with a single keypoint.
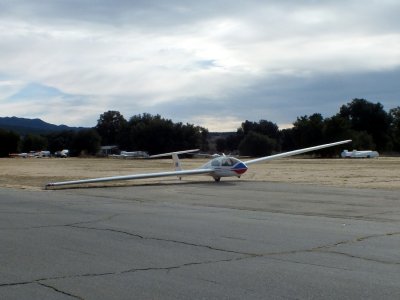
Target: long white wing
[
  {"x": 294, "y": 152},
  {"x": 131, "y": 177}
]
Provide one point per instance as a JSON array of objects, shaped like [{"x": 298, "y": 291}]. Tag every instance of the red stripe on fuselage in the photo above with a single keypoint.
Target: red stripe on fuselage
[{"x": 240, "y": 171}]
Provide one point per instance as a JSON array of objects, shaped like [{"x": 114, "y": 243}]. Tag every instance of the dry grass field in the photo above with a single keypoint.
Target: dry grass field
[{"x": 34, "y": 173}]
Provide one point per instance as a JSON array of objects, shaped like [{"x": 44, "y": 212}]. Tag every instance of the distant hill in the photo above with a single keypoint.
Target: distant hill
[{"x": 35, "y": 126}]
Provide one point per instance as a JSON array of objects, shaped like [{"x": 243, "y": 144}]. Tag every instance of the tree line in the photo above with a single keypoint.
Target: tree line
[
  {"x": 150, "y": 133},
  {"x": 82, "y": 142},
  {"x": 147, "y": 132},
  {"x": 366, "y": 123}
]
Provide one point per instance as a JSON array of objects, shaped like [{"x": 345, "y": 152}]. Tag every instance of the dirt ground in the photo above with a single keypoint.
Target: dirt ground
[{"x": 34, "y": 173}]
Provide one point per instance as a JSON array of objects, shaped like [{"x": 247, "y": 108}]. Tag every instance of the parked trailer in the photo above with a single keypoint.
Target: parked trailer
[{"x": 359, "y": 154}]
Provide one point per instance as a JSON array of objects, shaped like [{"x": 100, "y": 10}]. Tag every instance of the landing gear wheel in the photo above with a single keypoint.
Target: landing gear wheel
[{"x": 217, "y": 179}]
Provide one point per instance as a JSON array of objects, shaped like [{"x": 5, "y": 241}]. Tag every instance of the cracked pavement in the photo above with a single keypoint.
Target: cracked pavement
[{"x": 236, "y": 240}]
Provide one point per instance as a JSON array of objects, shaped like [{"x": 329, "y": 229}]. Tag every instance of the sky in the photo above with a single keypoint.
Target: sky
[{"x": 209, "y": 63}]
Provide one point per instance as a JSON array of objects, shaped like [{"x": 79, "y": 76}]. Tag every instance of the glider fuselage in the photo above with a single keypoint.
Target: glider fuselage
[{"x": 225, "y": 166}]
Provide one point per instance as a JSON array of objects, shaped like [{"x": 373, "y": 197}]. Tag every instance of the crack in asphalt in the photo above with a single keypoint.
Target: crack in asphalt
[
  {"x": 60, "y": 291},
  {"x": 164, "y": 240},
  {"x": 308, "y": 263},
  {"x": 306, "y": 214},
  {"x": 326, "y": 248},
  {"x": 132, "y": 270},
  {"x": 106, "y": 218},
  {"x": 245, "y": 255},
  {"x": 186, "y": 265},
  {"x": 363, "y": 258},
  {"x": 356, "y": 240},
  {"x": 38, "y": 281}
]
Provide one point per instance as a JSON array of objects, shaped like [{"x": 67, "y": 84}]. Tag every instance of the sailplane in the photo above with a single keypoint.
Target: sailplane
[{"x": 218, "y": 167}]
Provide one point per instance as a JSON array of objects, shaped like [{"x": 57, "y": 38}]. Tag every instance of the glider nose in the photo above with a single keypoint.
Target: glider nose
[{"x": 240, "y": 168}]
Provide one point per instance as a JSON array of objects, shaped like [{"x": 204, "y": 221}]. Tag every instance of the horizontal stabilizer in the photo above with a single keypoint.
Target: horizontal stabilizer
[{"x": 177, "y": 152}]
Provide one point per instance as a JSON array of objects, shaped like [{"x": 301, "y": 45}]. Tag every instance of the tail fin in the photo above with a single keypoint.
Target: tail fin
[
  {"x": 177, "y": 162},
  {"x": 175, "y": 158}
]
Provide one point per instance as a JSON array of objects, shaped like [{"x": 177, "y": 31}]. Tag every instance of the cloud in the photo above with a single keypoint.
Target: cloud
[
  {"x": 9, "y": 86},
  {"x": 196, "y": 61},
  {"x": 49, "y": 103}
]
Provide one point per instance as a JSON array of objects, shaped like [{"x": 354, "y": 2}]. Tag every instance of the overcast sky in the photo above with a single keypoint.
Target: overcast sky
[{"x": 209, "y": 63}]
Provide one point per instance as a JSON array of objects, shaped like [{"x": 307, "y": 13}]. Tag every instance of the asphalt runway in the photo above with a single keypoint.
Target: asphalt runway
[{"x": 232, "y": 240}]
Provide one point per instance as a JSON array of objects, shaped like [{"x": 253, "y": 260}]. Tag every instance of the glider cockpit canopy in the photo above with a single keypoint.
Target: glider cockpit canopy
[{"x": 222, "y": 161}]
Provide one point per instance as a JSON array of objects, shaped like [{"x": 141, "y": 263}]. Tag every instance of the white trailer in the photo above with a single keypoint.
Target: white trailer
[{"x": 359, "y": 154}]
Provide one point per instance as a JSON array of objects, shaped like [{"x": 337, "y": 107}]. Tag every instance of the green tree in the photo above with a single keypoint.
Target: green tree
[
  {"x": 335, "y": 128},
  {"x": 233, "y": 141},
  {"x": 157, "y": 135},
  {"x": 395, "y": 127},
  {"x": 151, "y": 133},
  {"x": 362, "y": 140},
  {"x": 288, "y": 139},
  {"x": 204, "y": 133},
  {"x": 111, "y": 126},
  {"x": 58, "y": 141},
  {"x": 85, "y": 142},
  {"x": 220, "y": 144},
  {"x": 256, "y": 144},
  {"x": 369, "y": 117},
  {"x": 33, "y": 142},
  {"x": 9, "y": 141},
  {"x": 263, "y": 127},
  {"x": 186, "y": 136},
  {"x": 308, "y": 131}
]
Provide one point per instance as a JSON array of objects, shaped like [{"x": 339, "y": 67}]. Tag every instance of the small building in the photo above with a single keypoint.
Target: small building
[{"x": 108, "y": 150}]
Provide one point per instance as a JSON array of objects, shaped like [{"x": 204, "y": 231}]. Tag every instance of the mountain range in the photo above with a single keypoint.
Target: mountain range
[{"x": 35, "y": 126}]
